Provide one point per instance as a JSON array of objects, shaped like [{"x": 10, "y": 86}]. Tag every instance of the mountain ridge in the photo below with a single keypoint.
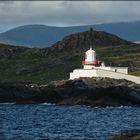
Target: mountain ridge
[
  {"x": 44, "y": 36},
  {"x": 77, "y": 42}
]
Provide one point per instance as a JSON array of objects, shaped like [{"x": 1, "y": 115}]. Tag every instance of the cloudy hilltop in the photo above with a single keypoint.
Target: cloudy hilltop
[{"x": 43, "y": 23}]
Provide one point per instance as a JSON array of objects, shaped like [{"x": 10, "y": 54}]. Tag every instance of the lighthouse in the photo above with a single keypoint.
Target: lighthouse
[
  {"x": 92, "y": 67},
  {"x": 90, "y": 58}
]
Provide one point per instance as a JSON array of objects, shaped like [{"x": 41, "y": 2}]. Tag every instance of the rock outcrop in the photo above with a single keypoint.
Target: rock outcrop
[
  {"x": 85, "y": 91},
  {"x": 128, "y": 135},
  {"x": 83, "y": 40}
]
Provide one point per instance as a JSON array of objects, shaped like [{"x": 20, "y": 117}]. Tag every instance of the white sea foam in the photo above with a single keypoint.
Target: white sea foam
[
  {"x": 47, "y": 104},
  {"x": 118, "y": 106},
  {"x": 8, "y": 103}
]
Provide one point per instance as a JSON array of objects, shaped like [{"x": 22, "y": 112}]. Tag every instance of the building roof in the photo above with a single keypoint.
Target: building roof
[{"x": 90, "y": 51}]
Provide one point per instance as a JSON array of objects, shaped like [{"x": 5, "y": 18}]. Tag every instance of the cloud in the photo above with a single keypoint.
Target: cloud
[{"x": 66, "y": 13}]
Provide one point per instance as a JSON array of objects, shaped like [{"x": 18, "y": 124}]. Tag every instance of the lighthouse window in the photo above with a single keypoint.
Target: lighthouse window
[
  {"x": 115, "y": 70},
  {"x": 85, "y": 56}
]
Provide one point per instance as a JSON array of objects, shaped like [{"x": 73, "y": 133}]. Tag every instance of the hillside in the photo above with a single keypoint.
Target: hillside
[
  {"x": 37, "y": 35},
  {"x": 44, "y": 36},
  {"x": 55, "y": 62}
]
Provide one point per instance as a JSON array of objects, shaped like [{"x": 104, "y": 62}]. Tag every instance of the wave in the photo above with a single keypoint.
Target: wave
[
  {"x": 8, "y": 103},
  {"x": 117, "y": 107},
  {"x": 47, "y": 104}
]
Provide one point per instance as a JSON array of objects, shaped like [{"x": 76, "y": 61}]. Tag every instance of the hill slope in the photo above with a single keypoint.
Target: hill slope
[
  {"x": 57, "y": 61},
  {"x": 37, "y": 35},
  {"x": 44, "y": 36}
]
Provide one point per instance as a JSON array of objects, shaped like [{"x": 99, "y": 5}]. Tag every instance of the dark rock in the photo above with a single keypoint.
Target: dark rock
[
  {"x": 84, "y": 91},
  {"x": 128, "y": 135}
]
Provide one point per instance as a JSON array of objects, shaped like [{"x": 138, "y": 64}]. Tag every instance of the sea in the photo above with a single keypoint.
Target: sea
[{"x": 64, "y": 122}]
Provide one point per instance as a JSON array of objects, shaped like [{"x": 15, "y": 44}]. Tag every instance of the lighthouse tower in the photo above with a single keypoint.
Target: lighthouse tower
[
  {"x": 90, "y": 57},
  {"x": 89, "y": 60}
]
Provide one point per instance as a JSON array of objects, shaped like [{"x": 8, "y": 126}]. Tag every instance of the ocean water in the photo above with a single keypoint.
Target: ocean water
[{"x": 60, "y": 122}]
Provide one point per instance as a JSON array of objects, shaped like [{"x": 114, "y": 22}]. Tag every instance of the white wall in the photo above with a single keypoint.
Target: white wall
[
  {"x": 120, "y": 69},
  {"x": 115, "y": 75},
  {"x": 115, "y": 69},
  {"x": 77, "y": 73},
  {"x": 88, "y": 67}
]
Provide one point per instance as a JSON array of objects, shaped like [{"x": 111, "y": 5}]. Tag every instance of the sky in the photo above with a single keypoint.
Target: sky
[{"x": 66, "y": 13}]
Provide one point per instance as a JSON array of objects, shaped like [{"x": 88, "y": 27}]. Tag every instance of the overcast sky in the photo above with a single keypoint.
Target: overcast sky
[{"x": 66, "y": 13}]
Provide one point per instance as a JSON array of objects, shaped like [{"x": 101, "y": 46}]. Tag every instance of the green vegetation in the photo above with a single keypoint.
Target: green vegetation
[{"x": 44, "y": 65}]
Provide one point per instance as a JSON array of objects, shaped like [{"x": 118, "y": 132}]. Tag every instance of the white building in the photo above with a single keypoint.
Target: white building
[{"x": 95, "y": 68}]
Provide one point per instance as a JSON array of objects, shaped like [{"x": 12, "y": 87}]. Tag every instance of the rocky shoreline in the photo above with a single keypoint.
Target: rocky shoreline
[
  {"x": 128, "y": 135},
  {"x": 92, "y": 92}
]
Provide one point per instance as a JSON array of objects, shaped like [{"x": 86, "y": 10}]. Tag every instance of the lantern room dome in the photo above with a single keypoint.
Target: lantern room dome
[{"x": 90, "y": 51}]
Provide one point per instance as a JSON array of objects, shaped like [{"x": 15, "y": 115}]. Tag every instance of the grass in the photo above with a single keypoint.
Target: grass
[{"x": 43, "y": 65}]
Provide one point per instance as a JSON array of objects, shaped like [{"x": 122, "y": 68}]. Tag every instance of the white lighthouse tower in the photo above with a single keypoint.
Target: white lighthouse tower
[
  {"x": 90, "y": 57},
  {"x": 89, "y": 60}
]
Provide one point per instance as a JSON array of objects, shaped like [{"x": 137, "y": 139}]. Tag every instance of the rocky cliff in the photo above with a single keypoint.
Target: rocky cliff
[{"x": 86, "y": 91}]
